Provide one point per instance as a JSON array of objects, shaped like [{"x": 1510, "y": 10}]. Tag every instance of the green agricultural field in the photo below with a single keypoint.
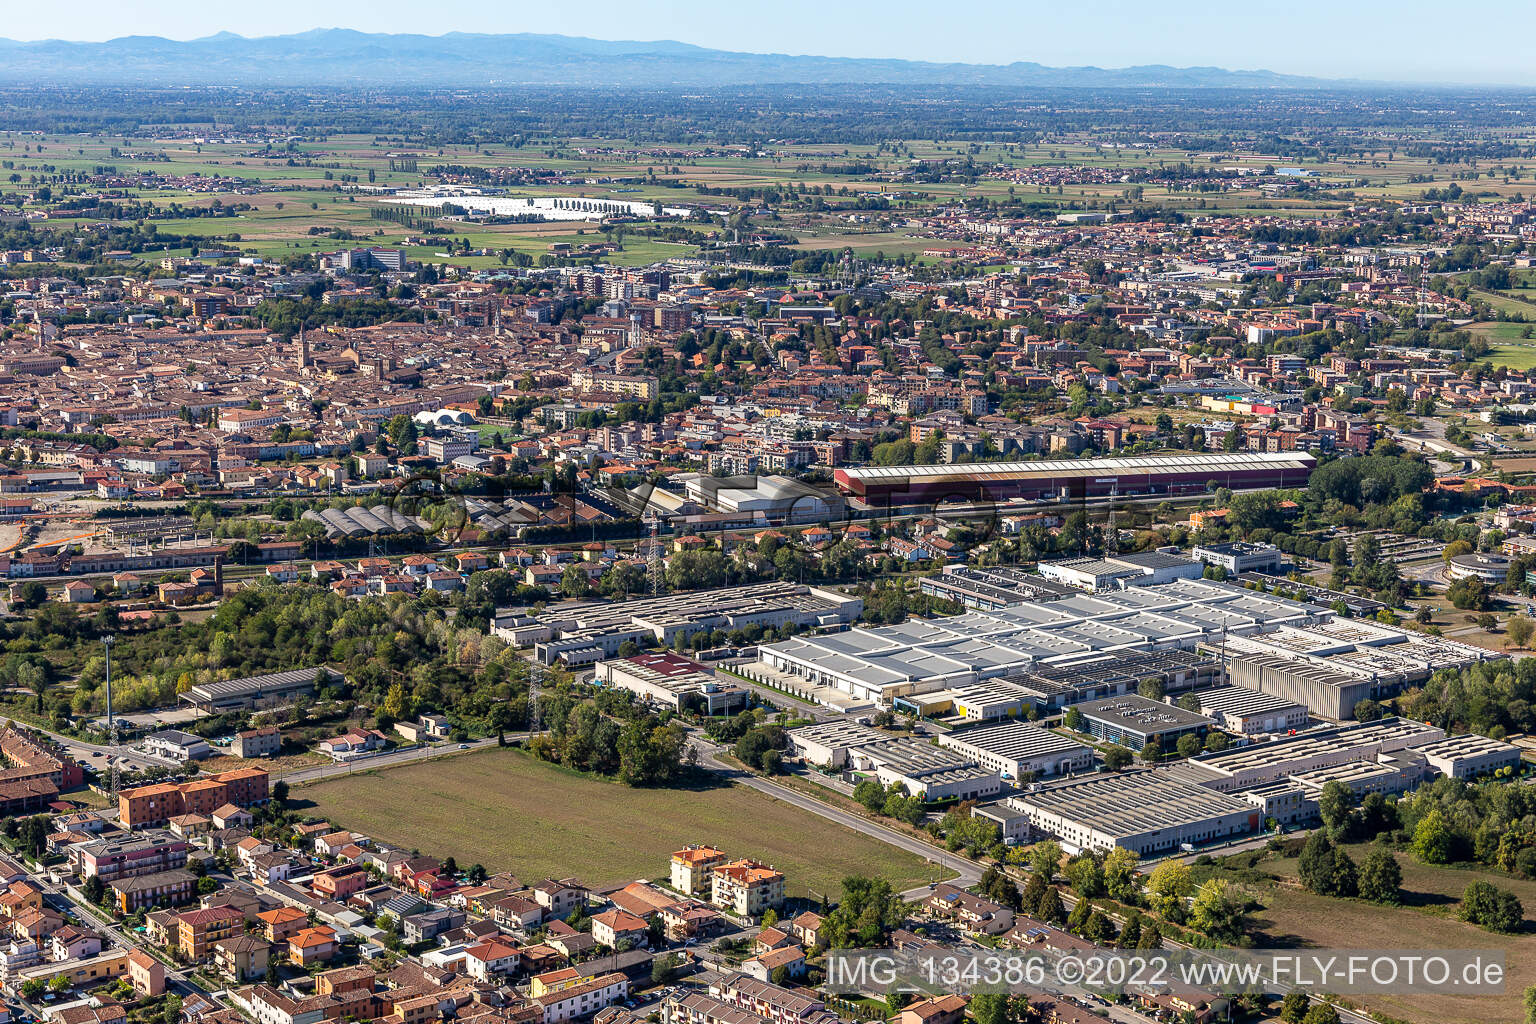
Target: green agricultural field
[
  {"x": 1508, "y": 347},
  {"x": 508, "y": 811}
]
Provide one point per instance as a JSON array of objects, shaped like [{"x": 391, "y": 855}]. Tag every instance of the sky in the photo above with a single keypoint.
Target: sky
[{"x": 1399, "y": 41}]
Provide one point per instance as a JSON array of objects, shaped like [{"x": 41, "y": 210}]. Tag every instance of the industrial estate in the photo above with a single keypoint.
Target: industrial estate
[{"x": 528, "y": 529}]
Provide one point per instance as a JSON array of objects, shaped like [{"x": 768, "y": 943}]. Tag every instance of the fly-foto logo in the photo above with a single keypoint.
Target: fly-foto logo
[{"x": 435, "y": 505}]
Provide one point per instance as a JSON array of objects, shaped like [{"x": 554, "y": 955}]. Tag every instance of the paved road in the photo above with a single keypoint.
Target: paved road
[
  {"x": 392, "y": 759},
  {"x": 176, "y": 980},
  {"x": 96, "y": 755}
]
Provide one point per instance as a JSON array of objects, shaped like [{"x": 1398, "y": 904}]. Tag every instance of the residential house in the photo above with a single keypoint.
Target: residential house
[
  {"x": 945, "y": 1009},
  {"x": 242, "y": 957},
  {"x": 693, "y": 868},
  {"x": 490, "y": 961},
  {"x": 198, "y": 930},
  {"x": 312, "y": 945},
  {"x": 280, "y": 924},
  {"x": 612, "y": 927},
  {"x": 263, "y": 742},
  {"x": 764, "y": 966},
  {"x": 162, "y": 889},
  {"x": 746, "y": 887},
  {"x": 584, "y": 999}
]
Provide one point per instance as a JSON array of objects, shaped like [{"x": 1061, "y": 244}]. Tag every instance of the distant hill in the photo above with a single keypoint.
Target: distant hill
[{"x": 342, "y": 56}]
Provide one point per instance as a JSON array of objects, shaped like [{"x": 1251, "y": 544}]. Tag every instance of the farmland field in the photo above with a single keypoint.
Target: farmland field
[
  {"x": 508, "y": 811},
  {"x": 1293, "y": 917}
]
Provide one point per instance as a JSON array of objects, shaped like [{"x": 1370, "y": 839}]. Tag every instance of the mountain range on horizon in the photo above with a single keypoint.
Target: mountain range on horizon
[{"x": 341, "y": 57}]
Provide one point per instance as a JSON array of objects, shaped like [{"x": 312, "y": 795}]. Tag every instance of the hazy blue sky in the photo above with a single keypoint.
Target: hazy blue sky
[{"x": 1405, "y": 40}]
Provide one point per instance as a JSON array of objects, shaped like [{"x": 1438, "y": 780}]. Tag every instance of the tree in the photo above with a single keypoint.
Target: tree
[
  {"x": 989, "y": 1008},
  {"x": 1294, "y": 1007},
  {"x": 1433, "y": 840},
  {"x": 1189, "y": 745},
  {"x": 1116, "y": 757},
  {"x": 34, "y": 835},
  {"x": 1381, "y": 877},
  {"x": 1131, "y": 933},
  {"x": 1078, "y": 918},
  {"x": 94, "y": 889},
  {"x": 34, "y": 677},
  {"x": 1120, "y": 873},
  {"x": 1367, "y": 710},
  {"x": 1322, "y": 1013},
  {"x": 1219, "y": 910},
  {"x": 397, "y": 703},
  {"x": 1495, "y": 909},
  {"x": 1215, "y": 741},
  {"x": 1050, "y": 910},
  {"x": 1520, "y": 629},
  {"x": 1530, "y": 1005},
  {"x": 1168, "y": 886},
  {"x": 1073, "y": 720},
  {"x": 33, "y": 988},
  {"x": 1152, "y": 751},
  {"x": 871, "y": 793},
  {"x": 1334, "y": 805},
  {"x": 1315, "y": 866},
  {"x": 1098, "y": 927},
  {"x": 1034, "y": 891},
  {"x": 664, "y": 969},
  {"x": 1045, "y": 858},
  {"x": 280, "y": 793},
  {"x": 500, "y": 718},
  {"x": 1344, "y": 878},
  {"x": 574, "y": 582},
  {"x": 1469, "y": 593},
  {"x": 998, "y": 887},
  {"x": 1151, "y": 689},
  {"x": 1085, "y": 873}
]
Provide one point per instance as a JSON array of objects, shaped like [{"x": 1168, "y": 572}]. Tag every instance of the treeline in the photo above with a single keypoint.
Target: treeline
[{"x": 611, "y": 733}]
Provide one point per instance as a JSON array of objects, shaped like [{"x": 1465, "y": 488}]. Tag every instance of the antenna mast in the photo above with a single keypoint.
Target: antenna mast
[{"x": 107, "y": 642}]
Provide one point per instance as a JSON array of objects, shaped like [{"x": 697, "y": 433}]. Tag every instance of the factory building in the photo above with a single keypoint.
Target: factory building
[
  {"x": 1019, "y": 750},
  {"x": 673, "y": 681},
  {"x": 1144, "y": 568},
  {"x": 992, "y": 587},
  {"x": 1068, "y": 479},
  {"x": 827, "y": 744},
  {"x": 1331, "y": 666},
  {"x": 927, "y": 772},
  {"x": 1263, "y": 763},
  {"x": 1464, "y": 757},
  {"x": 1251, "y": 712},
  {"x": 588, "y": 632},
  {"x": 1148, "y": 812},
  {"x": 921, "y": 657}
]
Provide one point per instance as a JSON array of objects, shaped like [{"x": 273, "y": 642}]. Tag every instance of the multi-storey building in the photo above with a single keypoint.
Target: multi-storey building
[
  {"x": 111, "y": 859},
  {"x": 154, "y": 805},
  {"x": 746, "y": 887}
]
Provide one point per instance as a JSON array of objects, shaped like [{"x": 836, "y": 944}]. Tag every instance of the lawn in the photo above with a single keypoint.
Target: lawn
[{"x": 508, "y": 811}]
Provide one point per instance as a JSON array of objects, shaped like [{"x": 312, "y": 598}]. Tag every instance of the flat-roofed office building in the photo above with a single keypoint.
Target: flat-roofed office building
[{"x": 1134, "y": 721}]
